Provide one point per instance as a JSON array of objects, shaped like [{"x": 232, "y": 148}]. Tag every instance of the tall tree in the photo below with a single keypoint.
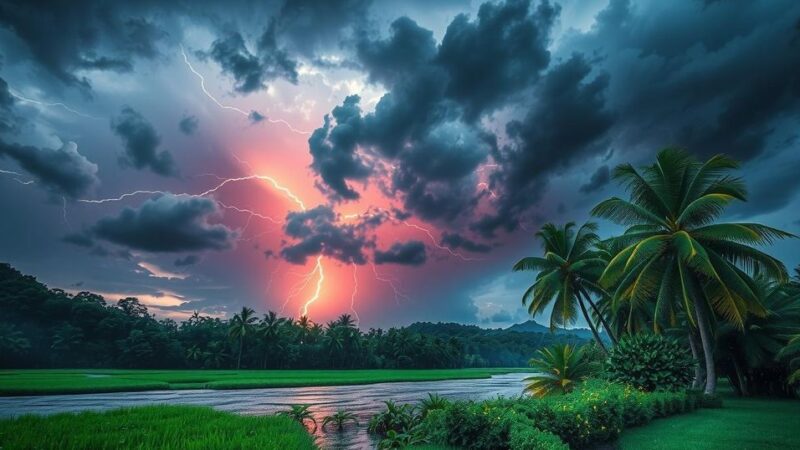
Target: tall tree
[
  {"x": 241, "y": 325},
  {"x": 675, "y": 254},
  {"x": 567, "y": 273}
]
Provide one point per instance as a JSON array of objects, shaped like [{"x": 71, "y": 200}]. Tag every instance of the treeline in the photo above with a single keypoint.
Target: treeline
[{"x": 51, "y": 328}]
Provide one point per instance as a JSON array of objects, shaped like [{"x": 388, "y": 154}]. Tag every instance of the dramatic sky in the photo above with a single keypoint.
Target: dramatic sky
[{"x": 385, "y": 159}]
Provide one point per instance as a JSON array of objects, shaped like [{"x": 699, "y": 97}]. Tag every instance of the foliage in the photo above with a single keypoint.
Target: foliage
[
  {"x": 566, "y": 275},
  {"x": 339, "y": 419},
  {"x": 558, "y": 368},
  {"x": 433, "y": 402},
  {"x": 300, "y": 414},
  {"x": 675, "y": 257},
  {"x": 591, "y": 415},
  {"x": 162, "y": 427},
  {"x": 398, "y": 418},
  {"x": 50, "y": 328},
  {"x": 750, "y": 358},
  {"x": 650, "y": 362}
]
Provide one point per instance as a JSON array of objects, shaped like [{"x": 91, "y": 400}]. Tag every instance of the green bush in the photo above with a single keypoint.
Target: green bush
[
  {"x": 397, "y": 418},
  {"x": 650, "y": 362},
  {"x": 526, "y": 437}
]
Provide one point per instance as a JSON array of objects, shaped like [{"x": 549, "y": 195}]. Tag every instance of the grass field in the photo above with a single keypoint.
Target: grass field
[
  {"x": 162, "y": 427},
  {"x": 742, "y": 423},
  {"x": 36, "y": 382}
]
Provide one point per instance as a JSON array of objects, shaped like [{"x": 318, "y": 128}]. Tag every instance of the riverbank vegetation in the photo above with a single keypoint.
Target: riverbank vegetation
[
  {"x": 51, "y": 328},
  {"x": 162, "y": 427},
  {"x": 39, "y": 382}
]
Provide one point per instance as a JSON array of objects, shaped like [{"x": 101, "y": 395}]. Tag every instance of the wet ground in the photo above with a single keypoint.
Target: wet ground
[{"x": 362, "y": 400}]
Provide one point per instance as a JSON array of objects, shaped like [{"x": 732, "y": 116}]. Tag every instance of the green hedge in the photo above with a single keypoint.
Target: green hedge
[{"x": 595, "y": 414}]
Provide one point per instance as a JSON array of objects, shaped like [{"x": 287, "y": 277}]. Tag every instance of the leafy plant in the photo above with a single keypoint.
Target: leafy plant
[
  {"x": 301, "y": 414},
  {"x": 339, "y": 419},
  {"x": 394, "y": 439},
  {"x": 559, "y": 368},
  {"x": 650, "y": 362},
  {"x": 399, "y": 418},
  {"x": 433, "y": 402}
]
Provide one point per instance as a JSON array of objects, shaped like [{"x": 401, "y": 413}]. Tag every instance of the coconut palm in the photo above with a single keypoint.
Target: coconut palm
[
  {"x": 339, "y": 419},
  {"x": 242, "y": 325},
  {"x": 567, "y": 273},
  {"x": 558, "y": 368},
  {"x": 675, "y": 255}
]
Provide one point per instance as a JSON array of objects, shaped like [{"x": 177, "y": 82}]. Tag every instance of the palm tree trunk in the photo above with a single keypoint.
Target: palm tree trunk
[
  {"x": 591, "y": 326},
  {"x": 611, "y": 335},
  {"x": 698, "y": 370},
  {"x": 708, "y": 347},
  {"x": 239, "y": 360}
]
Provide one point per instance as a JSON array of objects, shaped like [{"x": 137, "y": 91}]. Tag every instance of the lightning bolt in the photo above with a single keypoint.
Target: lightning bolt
[
  {"x": 233, "y": 108},
  {"x": 19, "y": 96},
  {"x": 397, "y": 292},
  {"x": 15, "y": 175},
  {"x": 286, "y": 191},
  {"x": 439, "y": 246},
  {"x": 485, "y": 186},
  {"x": 353, "y": 295},
  {"x": 317, "y": 291}
]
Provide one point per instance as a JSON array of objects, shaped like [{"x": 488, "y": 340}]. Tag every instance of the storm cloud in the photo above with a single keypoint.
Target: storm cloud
[
  {"x": 316, "y": 233},
  {"x": 63, "y": 171},
  {"x": 141, "y": 143},
  {"x": 169, "y": 223},
  {"x": 411, "y": 253}
]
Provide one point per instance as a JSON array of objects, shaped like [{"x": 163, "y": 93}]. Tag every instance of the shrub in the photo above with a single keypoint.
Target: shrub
[
  {"x": 559, "y": 368},
  {"x": 650, "y": 362},
  {"x": 527, "y": 437},
  {"x": 433, "y": 402},
  {"x": 399, "y": 418},
  {"x": 475, "y": 426}
]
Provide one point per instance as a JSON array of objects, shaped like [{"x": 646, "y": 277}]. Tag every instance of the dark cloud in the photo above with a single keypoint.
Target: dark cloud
[
  {"x": 7, "y": 120},
  {"x": 411, "y": 253},
  {"x": 567, "y": 120},
  {"x": 717, "y": 85},
  {"x": 312, "y": 25},
  {"x": 408, "y": 48},
  {"x": 188, "y": 260},
  {"x": 62, "y": 171},
  {"x": 333, "y": 148},
  {"x": 256, "y": 117},
  {"x": 252, "y": 71},
  {"x": 425, "y": 125},
  {"x": 169, "y": 223},
  {"x": 67, "y": 37},
  {"x": 599, "y": 178},
  {"x": 316, "y": 232},
  {"x": 773, "y": 191},
  {"x": 498, "y": 54},
  {"x": 81, "y": 239},
  {"x": 456, "y": 241},
  {"x": 188, "y": 125},
  {"x": 141, "y": 143}
]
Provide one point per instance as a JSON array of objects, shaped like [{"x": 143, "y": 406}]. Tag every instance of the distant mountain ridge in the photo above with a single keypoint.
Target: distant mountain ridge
[{"x": 531, "y": 326}]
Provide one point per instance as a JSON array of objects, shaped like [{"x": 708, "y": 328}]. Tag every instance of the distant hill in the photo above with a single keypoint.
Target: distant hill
[{"x": 532, "y": 327}]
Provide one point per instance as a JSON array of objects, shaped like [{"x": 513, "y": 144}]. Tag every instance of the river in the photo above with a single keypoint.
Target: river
[{"x": 362, "y": 400}]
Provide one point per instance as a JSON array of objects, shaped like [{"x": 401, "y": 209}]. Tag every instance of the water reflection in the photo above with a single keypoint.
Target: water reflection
[{"x": 363, "y": 400}]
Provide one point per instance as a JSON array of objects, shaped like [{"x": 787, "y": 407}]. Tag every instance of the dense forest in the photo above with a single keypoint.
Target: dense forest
[{"x": 50, "y": 328}]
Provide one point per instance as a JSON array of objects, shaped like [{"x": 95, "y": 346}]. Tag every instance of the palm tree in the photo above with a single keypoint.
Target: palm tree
[
  {"x": 748, "y": 356},
  {"x": 675, "y": 255},
  {"x": 567, "y": 273},
  {"x": 301, "y": 414},
  {"x": 559, "y": 368},
  {"x": 339, "y": 419},
  {"x": 241, "y": 325}
]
